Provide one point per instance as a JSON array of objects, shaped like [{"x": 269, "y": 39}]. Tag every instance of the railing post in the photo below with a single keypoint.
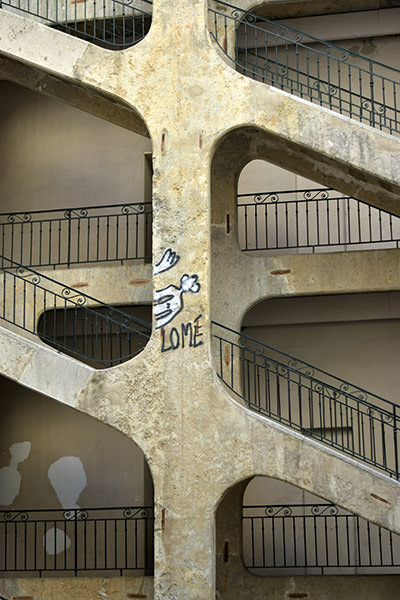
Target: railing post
[
  {"x": 395, "y": 442},
  {"x": 69, "y": 239}
]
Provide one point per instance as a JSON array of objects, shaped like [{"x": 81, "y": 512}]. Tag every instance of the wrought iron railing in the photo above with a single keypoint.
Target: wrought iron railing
[
  {"x": 116, "y": 540},
  {"x": 321, "y": 538},
  {"x": 70, "y": 321},
  {"x": 313, "y": 219},
  {"x": 74, "y": 236},
  {"x": 301, "y": 64},
  {"x": 309, "y": 400},
  {"x": 112, "y": 24}
]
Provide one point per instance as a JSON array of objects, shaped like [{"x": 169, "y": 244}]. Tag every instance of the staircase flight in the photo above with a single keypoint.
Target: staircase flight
[
  {"x": 321, "y": 72},
  {"x": 309, "y": 400}
]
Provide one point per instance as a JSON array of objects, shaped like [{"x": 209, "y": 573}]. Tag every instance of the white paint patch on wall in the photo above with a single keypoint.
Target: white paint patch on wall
[
  {"x": 10, "y": 479},
  {"x": 56, "y": 541},
  {"x": 68, "y": 478}
]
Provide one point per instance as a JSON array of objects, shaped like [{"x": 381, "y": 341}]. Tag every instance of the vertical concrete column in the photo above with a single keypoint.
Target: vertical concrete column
[{"x": 229, "y": 562}]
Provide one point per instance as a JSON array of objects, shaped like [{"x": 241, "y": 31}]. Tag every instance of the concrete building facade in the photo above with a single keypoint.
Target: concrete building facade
[{"x": 179, "y": 427}]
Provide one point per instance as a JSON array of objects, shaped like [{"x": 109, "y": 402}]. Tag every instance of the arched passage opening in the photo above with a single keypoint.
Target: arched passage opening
[
  {"x": 76, "y": 496},
  {"x": 76, "y": 188},
  {"x": 276, "y": 540},
  {"x": 76, "y": 194}
]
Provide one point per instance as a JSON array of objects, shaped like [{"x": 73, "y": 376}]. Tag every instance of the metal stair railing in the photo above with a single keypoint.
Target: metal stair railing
[
  {"x": 112, "y": 24},
  {"x": 309, "y": 400},
  {"x": 319, "y": 537},
  {"x": 321, "y": 72},
  {"x": 313, "y": 219},
  {"x": 80, "y": 541},
  {"x": 99, "y": 334},
  {"x": 73, "y": 236}
]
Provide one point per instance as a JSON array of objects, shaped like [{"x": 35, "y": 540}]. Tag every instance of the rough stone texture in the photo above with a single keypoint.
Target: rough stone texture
[
  {"x": 94, "y": 588},
  {"x": 197, "y": 439}
]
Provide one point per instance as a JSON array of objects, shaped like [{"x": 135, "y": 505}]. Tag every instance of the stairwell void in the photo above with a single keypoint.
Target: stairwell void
[
  {"x": 59, "y": 216},
  {"x": 113, "y": 25},
  {"x": 331, "y": 75},
  {"x": 76, "y": 496},
  {"x": 271, "y": 535}
]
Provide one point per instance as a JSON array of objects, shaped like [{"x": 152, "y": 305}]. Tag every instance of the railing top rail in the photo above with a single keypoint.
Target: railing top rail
[
  {"x": 292, "y": 504},
  {"x": 75, "y": 210},
  {"x": 295, "y": 510},
  {"x": 39, "y": 276},
  {"x": 294, "y": 364},
  {"x": 279, "y": 192},
  {"x": 249, "y": 18},
  {"x": 128, "y": 507},
  {"x": 303, "y": 195}
]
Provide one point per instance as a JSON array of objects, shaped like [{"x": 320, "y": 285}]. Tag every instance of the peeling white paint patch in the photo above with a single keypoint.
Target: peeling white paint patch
[
  {"x": 19, "y": 452},
  {"x": 56, "y": 541},
  {"x": 68, "y": 478},
  {"x": 10, "y": 479}
]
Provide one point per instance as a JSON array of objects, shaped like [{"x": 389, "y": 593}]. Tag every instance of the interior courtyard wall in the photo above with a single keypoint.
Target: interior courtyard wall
[
  {"x": 356, "y": 337},
  {"x": 55, "y": 444},
  {"x": 127, "y": 388},
  {"x": 56, "y": 156}
]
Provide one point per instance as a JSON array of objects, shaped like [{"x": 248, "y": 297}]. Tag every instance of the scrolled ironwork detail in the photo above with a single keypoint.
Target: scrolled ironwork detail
[
  {"x": 378, "y": 109},
  {"x": 130, "y": 513},
  {"x": 244, "y": 16},
  {"x": 319, "y": 510},
  {"x": 325, "y": 88},
  {"x": 251, "y": 346},
  {"x": 347, "y": 389},
  {"x": 273, "y": 511},
  {"x": 75, "y": 514},
  {"x": 301, "y": 368},
  {"x": 79, "y": 214},
  {"x": 16, "y": 218},
  {"x": 318, "y": 195},
  {"x": 28, "y": 275},
  {"x": 262, "y": 199},
  {"x": 16, "y": 516},
  {"x": 290, "y": 35},
  {"x": 76, "y": 298},
  {"x": 132, "y": 208}
]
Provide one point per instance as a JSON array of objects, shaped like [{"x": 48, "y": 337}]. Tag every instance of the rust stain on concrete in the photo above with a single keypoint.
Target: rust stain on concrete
[
  {"x": 79, "y": 285},
  {"x": 380, "y": 498},
  {"x": 280, "y": 272},
  {"x": 139, "y": 281}
]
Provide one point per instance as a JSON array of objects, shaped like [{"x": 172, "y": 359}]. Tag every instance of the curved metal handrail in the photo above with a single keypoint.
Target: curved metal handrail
[
  {"x": 112, "y": 24},
  {"x": 319, "y": 71},
  {"x": 70, "y": 320},
  {"x": 310, "y": 400}
]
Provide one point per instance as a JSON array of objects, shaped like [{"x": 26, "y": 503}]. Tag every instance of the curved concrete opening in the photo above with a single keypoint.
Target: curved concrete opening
[
  {"x": 70, "y": 195},
  {"x": 112, "y": 25},
  {"x": 276, "y": 540},
  {"x": 76, "y": 495}
]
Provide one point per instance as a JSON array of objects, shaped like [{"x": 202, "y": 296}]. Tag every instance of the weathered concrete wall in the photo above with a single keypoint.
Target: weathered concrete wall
[
  {"x": 199, "y": 441},
  {"x": 116, "y": 588}
]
